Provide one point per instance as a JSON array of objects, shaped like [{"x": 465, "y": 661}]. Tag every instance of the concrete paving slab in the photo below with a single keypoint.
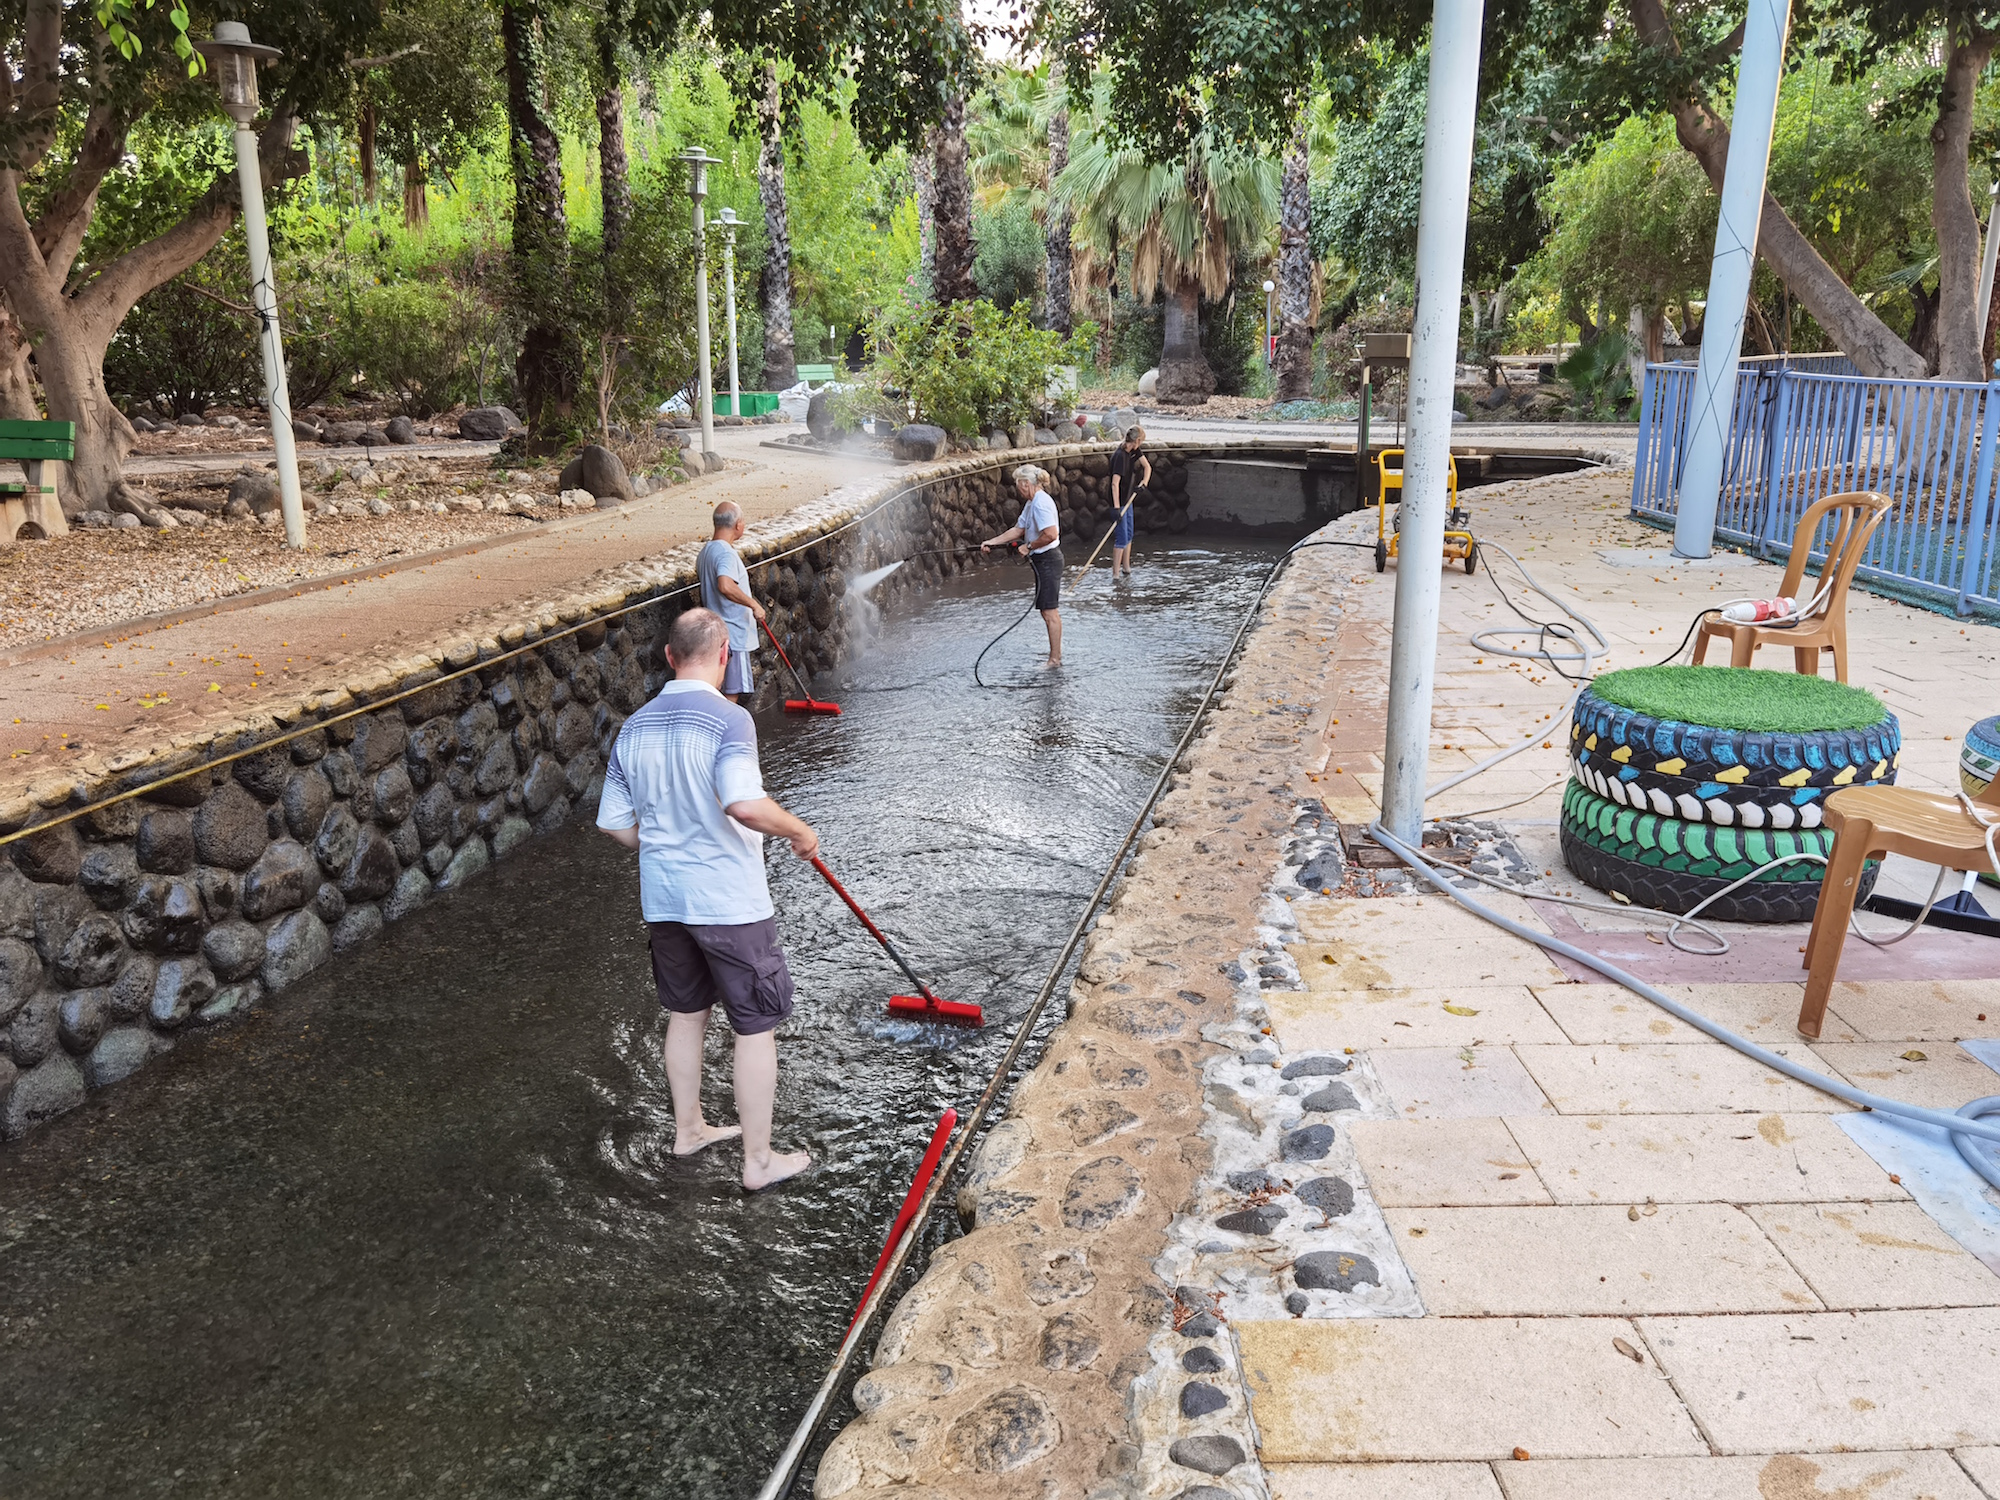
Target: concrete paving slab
[
  {"x": 1432, "y": 1083},
  {"x": 1453, "y": 1016},
  {"x": 1929, "y": 1168},
  {"x": 1870, "y": 1255},
  {"x": 1382, "y": 1482},
  {"x": 1457, "y": 1388},
  {"x": 1797, "y": 1158},
  {"x": 1420, "y": 940},
  {"x": 1595, "y": 1261},
  {"x": 1938, "y": 1075},
  {"x": 1917, "y": 1010},
  {"x": 1765, "y": 1013},
  {"x": 1815, "y": 1382},
  {"x": 1782, "y": 1476},
  {"x": 1655, "y": 1078},
  {"x": 1983, "y": 1464},
  {"x": 1418, "y": 1163}
]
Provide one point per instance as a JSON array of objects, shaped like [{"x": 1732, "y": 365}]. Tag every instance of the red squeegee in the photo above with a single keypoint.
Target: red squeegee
[
  {"x": 927, "y": 1001},
  {"x": 807, "y": 704}
]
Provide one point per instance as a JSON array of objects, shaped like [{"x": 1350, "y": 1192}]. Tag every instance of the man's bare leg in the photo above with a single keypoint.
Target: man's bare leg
[
  {"x": 683, "y": 1057},
  {"x": 756, "y": 1089},
  {"x": 1053, "y": 619}
]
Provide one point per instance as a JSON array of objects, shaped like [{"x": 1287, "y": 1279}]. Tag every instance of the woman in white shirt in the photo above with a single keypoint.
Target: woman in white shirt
[{"x": 1038, "y": 535}]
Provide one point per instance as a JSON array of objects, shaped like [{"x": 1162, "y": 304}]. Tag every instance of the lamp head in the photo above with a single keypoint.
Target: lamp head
[
  {"x": 234, "y": 57},
  {"x": 699, "y": 161},
  {"x": 727, "y": 222},
  {"x": 1270, "y": 286}
]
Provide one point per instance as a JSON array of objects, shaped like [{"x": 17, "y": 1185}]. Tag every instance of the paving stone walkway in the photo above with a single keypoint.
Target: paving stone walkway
[{"x": 1646, "y": 1265}]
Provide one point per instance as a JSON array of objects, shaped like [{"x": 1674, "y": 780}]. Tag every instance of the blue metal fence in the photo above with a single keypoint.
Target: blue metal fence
[{"x": 1806, "y": 427}]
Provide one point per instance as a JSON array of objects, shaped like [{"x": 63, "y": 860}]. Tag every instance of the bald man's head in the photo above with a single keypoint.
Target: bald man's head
[{"x": 728, "y": 516}]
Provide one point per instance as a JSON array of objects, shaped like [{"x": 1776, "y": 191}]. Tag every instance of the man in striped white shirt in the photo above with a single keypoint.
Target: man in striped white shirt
[{"x": 684, "y": 789}]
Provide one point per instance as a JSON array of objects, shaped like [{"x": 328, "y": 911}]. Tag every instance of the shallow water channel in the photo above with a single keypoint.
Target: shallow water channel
[{"x": 415, "y": 1230}]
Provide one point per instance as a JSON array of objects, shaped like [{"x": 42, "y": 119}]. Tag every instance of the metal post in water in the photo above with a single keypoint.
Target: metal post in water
[
  {"x": 1451, "y": 102},
  {"x": 1742, "y": 210}
]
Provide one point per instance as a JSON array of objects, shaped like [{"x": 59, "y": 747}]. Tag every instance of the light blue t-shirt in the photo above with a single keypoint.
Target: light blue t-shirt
[
  {"x": 678, "y": 762},
  {"x": 719, "y": 560},
  {"x": 1037, "y": 516}
]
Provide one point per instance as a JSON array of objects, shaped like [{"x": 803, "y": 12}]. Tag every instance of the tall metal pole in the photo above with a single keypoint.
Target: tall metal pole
[
  {"x": 1450, "y": 106},
  {"x": 264, "y": 297},
  {"x": 699, "y": 161},
  {"x": 1742, "y": 210},
  {"x": 729, "y": 301},
  {"x": 1992, "y": 254}
]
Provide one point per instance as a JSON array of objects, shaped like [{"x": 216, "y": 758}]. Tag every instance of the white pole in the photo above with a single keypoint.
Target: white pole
[
  {"x": 1742, "y": 210},
  {"x": 1451, "y": 103},
  {"x": 1986, "y": 266},
  {"x": 729, "y": 296},
  {"x": 698, "y": 190},
  {"x": 264, "y": 297}
]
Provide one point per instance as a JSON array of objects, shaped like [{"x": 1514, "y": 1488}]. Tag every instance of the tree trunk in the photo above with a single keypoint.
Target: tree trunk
[
  {"x": 1185, "y": 376},
  {"x": 613, "y": 166},
  {"x": 416, "y": 202},
  {"x": 367, "y": 133},
  {"x": 1060, "y": 315},
  {"x": 17, "y": 384},
  {"x": 1865, "y": 338},
  {"x": 953, "y": 281},
  {"x": 774, "y": 283},
  {"x": 548, "y": 369},
  {"x": 1293, "y": 361},
  {"x": 920, "y": 168},
  {"x": 1952, "y": 215}
]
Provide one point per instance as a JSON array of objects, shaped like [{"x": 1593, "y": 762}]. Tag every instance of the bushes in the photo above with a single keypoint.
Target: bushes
[
  {"x": 970, "y": 365},
  {"x": 415, "y": 340}
]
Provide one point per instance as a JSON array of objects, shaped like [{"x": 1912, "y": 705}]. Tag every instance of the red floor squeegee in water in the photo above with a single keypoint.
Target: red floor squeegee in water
[
  {"x": 927, "y": 1001},
  {"x": 805, "y": 705}
]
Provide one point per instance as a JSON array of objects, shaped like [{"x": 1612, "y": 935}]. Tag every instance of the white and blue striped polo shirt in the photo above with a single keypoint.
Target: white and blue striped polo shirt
[{"x": 678, "y": 762}]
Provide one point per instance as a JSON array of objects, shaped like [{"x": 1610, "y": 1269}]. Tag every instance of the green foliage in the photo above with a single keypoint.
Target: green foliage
[
  {"x": 184, "y": 346},
  {"x": 968, "y": 365},
  {"x": 1232, "y": 338},
  {"x": 1741, "y": 698},
  {"x": 1599, "y": 376},
  {"x": 1012, "y": 255},
  {"x": 417, "y": 341}
]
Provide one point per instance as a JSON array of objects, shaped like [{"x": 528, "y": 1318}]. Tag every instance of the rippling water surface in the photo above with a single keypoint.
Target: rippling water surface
[{"x": 416, "y": 1230}]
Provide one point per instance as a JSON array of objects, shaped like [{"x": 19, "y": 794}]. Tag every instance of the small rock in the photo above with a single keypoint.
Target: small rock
[
  {"x": 1260, "y": 1220},
  {"x": 1202, "y": 1360},
  {"x": 819, "y": 416},
  {"x": 360, "y": 925},
  {"x": 1046, "y": 438},
  {"x": 1315, "y": 1067},
  {"x": 1006, "y": 1431},
  {"x": 1210, "y": 1453},
  {"x": 233, "y": 949},
  {"x": 1199, "y": 1399},
  {"x": 468, "y": 862},
  {"x": 1099, "y": 1192},
  {"x": 400, "y": 430},
  {"x": 379, "y": 507},
  {"x": 487, "y": 424},
  {"x": 1330, "y": 1195},
  {"x": 284, "y": 877},
  {"x": 40, "y": 1094},
  {"x": 1333, "y": 1096},
  {"x": 121, "y": 1053},
  {"x": 411, "y": 892},
  {"x": 1201, "y": 1326},
  {"x": 183, "y": 987},
  {"x": 1252, "y": 1182},
  {"x": 227, "y": 1002},
  {"x": 1298, "y": 1304},
  {"x": 1308, "y": 1143},
  {"x": 81, "y": 1019},
  {"x": 600, "y": 471},
  {"x": 258, "y": 491},
  {"x": 920, "y": 441},
  {"x": 294, "y": 947},
  {"x": 1334, "y": 1271},
  {"x": 1023, "y": 436}
]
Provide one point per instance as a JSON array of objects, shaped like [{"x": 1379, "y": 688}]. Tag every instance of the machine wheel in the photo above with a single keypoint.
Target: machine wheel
[
  {"x": 1471, "y": 558},
  {"x": 1381, "y": 556}
]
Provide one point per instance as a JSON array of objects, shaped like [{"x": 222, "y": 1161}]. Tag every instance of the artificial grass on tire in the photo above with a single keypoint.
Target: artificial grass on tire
[{"x": 1745, "y": 698}]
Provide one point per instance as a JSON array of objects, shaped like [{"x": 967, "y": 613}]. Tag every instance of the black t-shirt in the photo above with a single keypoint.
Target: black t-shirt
[{"x": 1125, "y": 464}]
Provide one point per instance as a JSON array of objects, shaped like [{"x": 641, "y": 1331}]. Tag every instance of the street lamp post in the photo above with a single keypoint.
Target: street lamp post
[
  {"x": 234, "y": 57},
  {"x": 1269, "y": 287},
  {"x": 699, "y": 161},
  {"x": 728, "y": 221}
]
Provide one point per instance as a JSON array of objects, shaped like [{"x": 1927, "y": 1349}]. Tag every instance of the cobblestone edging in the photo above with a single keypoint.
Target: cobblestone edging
[{"x": 139, "y": 921}]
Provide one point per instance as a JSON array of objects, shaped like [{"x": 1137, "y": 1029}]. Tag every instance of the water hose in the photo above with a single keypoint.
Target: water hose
[{"x": 1016, "y": 686}]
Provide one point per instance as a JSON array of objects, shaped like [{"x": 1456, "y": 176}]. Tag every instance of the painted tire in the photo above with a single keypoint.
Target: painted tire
[
  {"x": 1734, "y": 757},
  {"x": 1700, "y": 857},
  {"x": 1707, "y": 801},
  {"x": 1678, "y": 891},
  {"x": 1979, "y": 757}
]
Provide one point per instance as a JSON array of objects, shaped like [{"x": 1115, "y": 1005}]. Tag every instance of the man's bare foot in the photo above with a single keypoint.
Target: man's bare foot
[
  {"x": 1050, "y": 663},
  {"x": 687, "y": 1142},
  {"x": 774, "y": 1169}
]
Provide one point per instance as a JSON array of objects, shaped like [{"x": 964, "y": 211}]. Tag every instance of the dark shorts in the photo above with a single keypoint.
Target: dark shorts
[
  {"x": 1048, "y": 577},
  {"x": 741, "y": 966}
]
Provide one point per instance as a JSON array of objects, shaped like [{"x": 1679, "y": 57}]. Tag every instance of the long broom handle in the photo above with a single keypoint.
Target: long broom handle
[
  {"x": 797, "y": 679},
  {"x": 874, "y": 931}
]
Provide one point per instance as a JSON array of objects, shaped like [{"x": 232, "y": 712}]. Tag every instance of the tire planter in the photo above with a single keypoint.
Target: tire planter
[
  {"x": 1979, "y": 757},
  {"x": 1704, "y": 801},
  {"x": 1672, "y": 864},
  {"x": 1701, "y": 753}
]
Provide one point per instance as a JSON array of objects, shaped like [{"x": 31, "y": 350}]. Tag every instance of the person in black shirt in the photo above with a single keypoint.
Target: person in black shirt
[{"x": 1131, "y": 472}]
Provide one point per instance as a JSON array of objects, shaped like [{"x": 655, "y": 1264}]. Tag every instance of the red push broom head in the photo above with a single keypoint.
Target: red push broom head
[
  {"x": 810, "y": 706},
  {"x": 937, "y": 1009}
]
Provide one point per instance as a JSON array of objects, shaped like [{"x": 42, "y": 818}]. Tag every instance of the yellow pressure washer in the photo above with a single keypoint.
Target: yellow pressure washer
[{"x": 1459, "y": 543}]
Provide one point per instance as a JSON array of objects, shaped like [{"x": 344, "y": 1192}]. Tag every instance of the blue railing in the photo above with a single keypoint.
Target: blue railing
[{"x": 1800, "y": 431}]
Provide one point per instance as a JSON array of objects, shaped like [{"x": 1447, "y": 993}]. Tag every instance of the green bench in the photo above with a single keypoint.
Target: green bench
[
  {"x": 816, "y": 374},
  {"x": 33, "y": 509}
]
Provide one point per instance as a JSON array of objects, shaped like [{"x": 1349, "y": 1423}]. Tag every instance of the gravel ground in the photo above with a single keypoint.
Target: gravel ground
[{"x": 91, "y": 579}]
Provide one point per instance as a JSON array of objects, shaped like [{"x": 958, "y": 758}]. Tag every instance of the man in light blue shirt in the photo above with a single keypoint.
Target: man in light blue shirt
[
  {"x": 1039, "y": 535},
  {"x": 725, "y": 591},
  {"x": 684, "y": 789}
]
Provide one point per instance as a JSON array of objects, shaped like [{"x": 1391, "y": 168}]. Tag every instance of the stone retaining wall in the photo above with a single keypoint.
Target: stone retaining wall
[{"x": 140, "y": 921}]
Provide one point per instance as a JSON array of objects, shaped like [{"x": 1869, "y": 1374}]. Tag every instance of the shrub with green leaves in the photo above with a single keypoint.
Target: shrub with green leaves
[{"x": 968, "y": 365}]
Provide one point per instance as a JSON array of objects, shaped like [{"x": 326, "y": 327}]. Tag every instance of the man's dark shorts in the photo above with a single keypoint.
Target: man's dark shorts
[
  {"x": 740, "y": 966},
  {"x": 1048, "y": 577}
]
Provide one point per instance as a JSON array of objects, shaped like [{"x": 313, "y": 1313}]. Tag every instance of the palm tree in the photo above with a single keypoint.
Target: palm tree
[
  {"x": 1186, "y": 222},
  {"x": 1017, "y": 139}
]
